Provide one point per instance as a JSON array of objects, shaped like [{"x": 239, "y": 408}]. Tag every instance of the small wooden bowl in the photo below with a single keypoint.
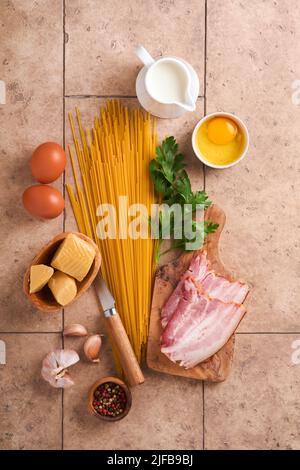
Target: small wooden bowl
[
  {"x": 44, "y": 299},
  {"x": 91, "y": 398}
]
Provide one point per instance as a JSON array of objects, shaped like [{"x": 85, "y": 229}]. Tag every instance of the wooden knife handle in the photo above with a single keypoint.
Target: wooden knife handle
[{"x": 124, "y": 349}]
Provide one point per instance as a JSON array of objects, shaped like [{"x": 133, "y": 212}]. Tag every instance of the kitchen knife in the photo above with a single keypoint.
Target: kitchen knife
[{"x": 118, "y": 334}]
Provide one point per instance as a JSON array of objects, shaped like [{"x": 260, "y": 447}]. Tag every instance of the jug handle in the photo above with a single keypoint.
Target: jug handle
[{"x": 144, "y": 56}]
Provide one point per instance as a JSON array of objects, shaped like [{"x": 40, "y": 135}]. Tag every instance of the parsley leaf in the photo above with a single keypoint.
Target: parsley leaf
[{"x": 172, "y": 183}]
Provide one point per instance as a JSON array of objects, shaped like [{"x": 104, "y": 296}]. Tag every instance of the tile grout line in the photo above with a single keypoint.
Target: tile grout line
[
  {"x": 64, "y": 191},
  {"x": 204, "y": 75},
  {"x": 204, "y": 187},
  {"x": 30, "y": 332},
  {"x": 267, "y": 333},
  {"x": 205, "y": 54},
  {"x": 108, "y": 96},
  {"x": 87, "y": 96},
  {"x": 63, "y": 127}
]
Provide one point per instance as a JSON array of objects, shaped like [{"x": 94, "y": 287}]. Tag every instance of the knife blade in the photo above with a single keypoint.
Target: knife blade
[{"x": 105, "y": 297}]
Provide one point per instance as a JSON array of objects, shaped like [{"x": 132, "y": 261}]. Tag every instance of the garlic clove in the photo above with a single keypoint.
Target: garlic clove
[
  {"x": 75, "y": 329},
  {"x": 92, "y": 348},
  {"x": 54, "y": 367}
]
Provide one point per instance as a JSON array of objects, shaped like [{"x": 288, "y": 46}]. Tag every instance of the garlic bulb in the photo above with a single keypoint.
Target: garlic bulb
[
  {"x": 75, "y": 329},
  {"x": 92, "y": 348},
  {"x": 54, "y": 368}
]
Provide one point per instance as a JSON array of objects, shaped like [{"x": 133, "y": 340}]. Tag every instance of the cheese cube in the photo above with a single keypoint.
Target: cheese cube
[
  {"x": 39, "y": 276},
  {"x": 63, "y": 287},
  {"x": 74, "y": 257}
]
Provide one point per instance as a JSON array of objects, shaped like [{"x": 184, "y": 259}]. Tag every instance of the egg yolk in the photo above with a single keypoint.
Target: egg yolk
[{"x": 221, "y": 130}]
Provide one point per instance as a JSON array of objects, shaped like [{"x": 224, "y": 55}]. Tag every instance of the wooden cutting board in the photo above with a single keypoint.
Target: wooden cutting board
[{"x": 217, "y": 367}]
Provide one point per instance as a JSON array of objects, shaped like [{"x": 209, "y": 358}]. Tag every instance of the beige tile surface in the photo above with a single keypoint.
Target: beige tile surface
[
  {"x": 31, "y": 66},
  {"x": 259, "y": 406},
  {"x": 30, "y": 409},
  {"x": 159, "y": 419},
  {"x": 252, "y": 63},
  {"x": 101, "y": 37}
]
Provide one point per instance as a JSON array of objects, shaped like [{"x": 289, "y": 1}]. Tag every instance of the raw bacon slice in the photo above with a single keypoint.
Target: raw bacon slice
[
  {"x": 208, "y": 283},
  {"x": 199, "y": 329},
  {"x": 197, "y": 270},
  {"x": 201, "y": 314},
  {"x": 217, "y": 287}
]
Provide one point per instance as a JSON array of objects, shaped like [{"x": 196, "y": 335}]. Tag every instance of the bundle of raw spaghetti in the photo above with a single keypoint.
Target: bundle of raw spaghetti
[{"x": 113, "y": 159}]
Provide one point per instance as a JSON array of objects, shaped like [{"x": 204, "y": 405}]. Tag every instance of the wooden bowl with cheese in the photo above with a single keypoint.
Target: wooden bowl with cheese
[{"x": 65, "y": 268}]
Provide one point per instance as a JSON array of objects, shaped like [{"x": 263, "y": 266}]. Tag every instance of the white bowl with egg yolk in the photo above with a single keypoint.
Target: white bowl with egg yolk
[{"x": 241, "y": 127}]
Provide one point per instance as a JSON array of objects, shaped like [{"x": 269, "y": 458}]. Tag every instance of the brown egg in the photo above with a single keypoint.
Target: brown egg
[
  {"x": 48, "y": 161},
  {"x": 43, "y": 201}
]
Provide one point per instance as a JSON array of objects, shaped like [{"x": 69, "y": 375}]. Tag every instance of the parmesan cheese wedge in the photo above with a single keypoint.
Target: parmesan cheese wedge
[
  {"x": 63, "y": 287},
  {"x": 39, "y": 276},
  {"x": 74, "y": 257}
]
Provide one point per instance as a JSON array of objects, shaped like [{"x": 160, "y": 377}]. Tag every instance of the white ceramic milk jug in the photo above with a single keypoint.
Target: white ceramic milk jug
[{"x": 166, "y": 87}]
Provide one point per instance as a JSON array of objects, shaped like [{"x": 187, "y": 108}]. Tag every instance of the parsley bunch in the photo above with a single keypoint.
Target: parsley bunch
[{"x": 172, "y": 183}]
